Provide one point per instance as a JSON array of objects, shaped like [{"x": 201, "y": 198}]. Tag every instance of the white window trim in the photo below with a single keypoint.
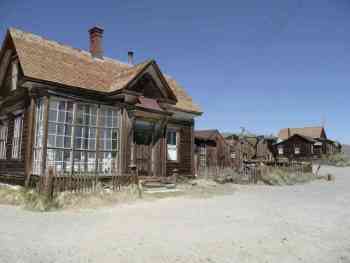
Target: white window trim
[
  {"x": 14, "y": 75},
  {"x": 173, "y": 147},
  {"x": 280, "y": 150},
  {"x": 17, "y": 138},
  {"x": 3, "y": 140}
]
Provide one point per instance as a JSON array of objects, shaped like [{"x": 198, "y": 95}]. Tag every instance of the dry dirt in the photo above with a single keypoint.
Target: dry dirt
[{"x": 301, "y": 223}]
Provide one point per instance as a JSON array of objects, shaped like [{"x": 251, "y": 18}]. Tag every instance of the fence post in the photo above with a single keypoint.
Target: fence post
[{"x": 49, "y": 184}]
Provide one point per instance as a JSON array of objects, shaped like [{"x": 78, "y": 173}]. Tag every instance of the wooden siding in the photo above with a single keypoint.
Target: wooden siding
[{"x": 289, "y": 145}]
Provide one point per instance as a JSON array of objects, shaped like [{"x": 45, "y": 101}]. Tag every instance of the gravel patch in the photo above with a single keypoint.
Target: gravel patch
[{"x": 300, "y": 223}]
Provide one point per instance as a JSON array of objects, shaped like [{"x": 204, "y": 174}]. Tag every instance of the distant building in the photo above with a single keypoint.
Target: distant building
[
  {"x": 311, "y": 142},
  {"x": 211, "y": 150}
]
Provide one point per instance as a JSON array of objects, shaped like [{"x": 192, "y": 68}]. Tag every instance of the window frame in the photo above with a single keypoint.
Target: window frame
[
  {"x": 297, "y": 150},
  {"x": 280, "y": 150},
  {"x": 14, "y": 75},
  {"x": 3, "y": 140},
  {"x": 16, "y": 149},
  {"x": 177, "y": 137},
  {"x": 86, "y": 150}
]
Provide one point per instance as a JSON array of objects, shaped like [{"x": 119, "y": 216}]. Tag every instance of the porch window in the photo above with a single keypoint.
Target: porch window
[
  {"x": 172, "y": 144},
  {"x": 85, "y": 131},
  {"x": 296, "y": 150},
  {"x": 72, "y": 137},
  {"x": 3, "y": 140},
  {"x": 17, "y": 137},
  {"x": 59, "y": 140},
  {"x": 109, "y": 139}
]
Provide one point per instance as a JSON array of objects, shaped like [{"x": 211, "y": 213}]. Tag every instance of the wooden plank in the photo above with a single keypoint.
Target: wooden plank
[
  {"x": 30, "y": 141},
  {"x": 45, "y": 131}
]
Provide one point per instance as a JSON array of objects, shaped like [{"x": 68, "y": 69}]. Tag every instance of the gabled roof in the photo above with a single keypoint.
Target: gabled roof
[
  {"x": 42, "y": 59},
  {"x": 312, "y": 132},
  {"x": 306, "y": 138},
  {"x": 206, "y": 135}
]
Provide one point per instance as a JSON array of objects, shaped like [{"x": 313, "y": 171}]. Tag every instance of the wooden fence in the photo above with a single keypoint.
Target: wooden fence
[
  {"x": 250, "y": 172},
  {"x": 51, "y": 184}
]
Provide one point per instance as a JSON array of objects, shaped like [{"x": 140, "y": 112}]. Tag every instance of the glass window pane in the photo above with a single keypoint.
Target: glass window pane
[
  {"x": 67, "y": 142},
  {"x": 51, "y": 141},
  {"x": 61, "y": 105},
  {"x": 60, "y": 129},
  {"x": 52, "y": 128},
  {"x": 52, "y": 115},
  {"x": 53, "y": 104},
  {"x": 59, "y": 141}
]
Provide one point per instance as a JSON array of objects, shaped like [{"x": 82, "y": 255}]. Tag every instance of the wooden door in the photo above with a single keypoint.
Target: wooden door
[{"x": 143, "y": 159}]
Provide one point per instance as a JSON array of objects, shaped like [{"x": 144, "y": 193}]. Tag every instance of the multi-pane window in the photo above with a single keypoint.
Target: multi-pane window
[
  {"x": 3, "y": 140},
  {"x": 72, "y": 137},
  {"x": 172, "y": 144},
  {"x": 17, "y": 137},
  {"x": 109, "y": 139},
  {"x": 59, "y": 140},
  {"x": 85, "y": 131}
]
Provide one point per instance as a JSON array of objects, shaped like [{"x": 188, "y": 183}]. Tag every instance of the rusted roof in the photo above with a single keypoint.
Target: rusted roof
[
  {"x": 148, "y": 103},
  {"x": 51, "y": 61},
  {"x": 312, "y": 132}
]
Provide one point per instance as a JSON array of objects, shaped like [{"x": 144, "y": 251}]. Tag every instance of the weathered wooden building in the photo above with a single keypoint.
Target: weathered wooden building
[
  {"x": 242, "y": 147},
  {"x": 321, "y": 144},
  {"x": 81, "y": 112},
  {"x": 211, "y": 150},
  {"x": 295, "y": 147},
  {"x": 265, "y": 149}
]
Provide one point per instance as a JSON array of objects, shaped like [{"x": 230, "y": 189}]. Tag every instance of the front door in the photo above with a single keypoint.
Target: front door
[{"x": 143, "y": 140}]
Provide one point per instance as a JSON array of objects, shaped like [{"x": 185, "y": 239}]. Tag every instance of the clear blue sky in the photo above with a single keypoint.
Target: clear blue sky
[{"x": 259, "y": 64}]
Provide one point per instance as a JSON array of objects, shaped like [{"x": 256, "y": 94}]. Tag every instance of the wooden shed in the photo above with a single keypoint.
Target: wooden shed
[{"x": 211, "y": 150}]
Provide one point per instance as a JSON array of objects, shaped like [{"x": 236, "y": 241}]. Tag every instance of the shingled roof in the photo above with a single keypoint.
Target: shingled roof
[
  {"x": 42, "y": 59},
  {"x": 311, "y": 132}
]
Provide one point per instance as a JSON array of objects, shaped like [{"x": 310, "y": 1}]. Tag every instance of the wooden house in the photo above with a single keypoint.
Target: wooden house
[
  {"x": 81, "y": 112},
  {"x": 295, "y": 147},
  {"x": 211, "y": 150},
  {"x": 322, "y": 145}
]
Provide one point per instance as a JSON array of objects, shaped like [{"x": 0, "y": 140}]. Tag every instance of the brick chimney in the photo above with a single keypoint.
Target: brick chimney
[
  {"x": 96, "y": 34},
  {"x": 131, "y": 57}
]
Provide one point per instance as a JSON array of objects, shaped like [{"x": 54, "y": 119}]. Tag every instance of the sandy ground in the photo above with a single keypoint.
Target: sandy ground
[{"x": 303, "y": 223}]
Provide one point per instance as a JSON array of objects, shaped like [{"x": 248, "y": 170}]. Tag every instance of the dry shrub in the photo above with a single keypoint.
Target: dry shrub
[
  {"x": 277, "y": 176},
  {"x": 222, "y": 175},
  {"x": 32, "y": 200},
  {"x": 339, "y": 160},
  {"x": 100, "y": 197},
  {"x": 29, "y": 199}
]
